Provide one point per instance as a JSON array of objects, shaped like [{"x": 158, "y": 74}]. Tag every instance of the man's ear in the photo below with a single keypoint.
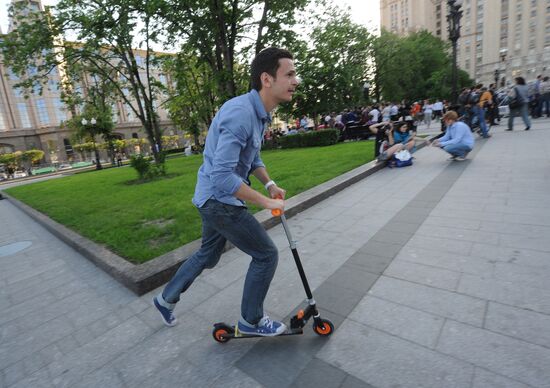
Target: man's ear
[{"x": 265, "y": 78}]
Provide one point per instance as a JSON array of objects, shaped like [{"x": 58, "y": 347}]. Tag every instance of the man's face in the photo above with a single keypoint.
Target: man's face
[{"x": 284, "y": 84}]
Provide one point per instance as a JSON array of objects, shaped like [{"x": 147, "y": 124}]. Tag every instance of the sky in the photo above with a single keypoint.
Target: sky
[{"x": 365, "y": 12}]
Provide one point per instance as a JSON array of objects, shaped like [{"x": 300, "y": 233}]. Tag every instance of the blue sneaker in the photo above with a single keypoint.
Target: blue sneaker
[
  {"x": 167, "y": 314},
  {"x": 265, "y": 328}
]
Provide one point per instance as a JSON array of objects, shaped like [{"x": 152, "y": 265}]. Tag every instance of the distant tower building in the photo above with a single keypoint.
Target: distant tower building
[{"x": 499, "y": 39}]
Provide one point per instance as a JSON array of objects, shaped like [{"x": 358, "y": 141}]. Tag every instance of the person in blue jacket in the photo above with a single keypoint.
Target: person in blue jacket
[
  {"x": 458, "y": 139},
  {"x": 231, "y": 155}
]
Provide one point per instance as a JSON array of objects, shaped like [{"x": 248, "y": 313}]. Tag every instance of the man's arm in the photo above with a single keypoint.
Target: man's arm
[{"x": 274, "y": 191}]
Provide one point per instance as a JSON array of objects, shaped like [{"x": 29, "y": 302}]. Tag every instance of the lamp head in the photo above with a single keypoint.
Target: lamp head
[
  {"x": 93, "y": 121},
  {"x": 84, "y": 121}
]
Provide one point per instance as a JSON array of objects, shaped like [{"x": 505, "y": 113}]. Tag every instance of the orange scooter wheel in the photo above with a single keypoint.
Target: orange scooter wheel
[
  {"x": 222, "y": 334},
  {"x": 324, "y": 331}
]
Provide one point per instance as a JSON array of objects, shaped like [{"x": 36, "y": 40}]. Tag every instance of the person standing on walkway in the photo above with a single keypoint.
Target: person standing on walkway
[
  {"x": 519, "y": 104},
  {"x": 231, "y": 154},
  {"x": 478, "y": 98},
  {"x": 545, "y": 95},
  {"x": 458, "y": 139}
]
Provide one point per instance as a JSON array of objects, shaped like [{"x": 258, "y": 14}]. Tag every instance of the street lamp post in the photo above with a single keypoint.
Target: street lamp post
[
  {"x": 497, "y": 77},
  {"x": 93, "y": 122},
  {"x": 454, "y": 16}
]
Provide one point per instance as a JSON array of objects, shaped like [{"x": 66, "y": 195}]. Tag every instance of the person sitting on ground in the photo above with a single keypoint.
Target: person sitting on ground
[
  {"x": 398, "y": 139},
  {"x": 458, "y": 139}
]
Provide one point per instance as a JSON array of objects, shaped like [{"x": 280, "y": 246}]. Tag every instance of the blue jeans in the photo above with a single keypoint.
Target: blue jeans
[
  {"x": 221, "y": 222},
  {"x": 457, "y": 149},
  {"x": 480, "y": 114},
  {"x": 523, "y": 110},
  {"x": 546, "y": 104}
]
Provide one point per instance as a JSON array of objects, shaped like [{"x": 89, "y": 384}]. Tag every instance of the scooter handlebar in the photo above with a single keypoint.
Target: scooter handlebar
[{"x": 277, "y": 212}]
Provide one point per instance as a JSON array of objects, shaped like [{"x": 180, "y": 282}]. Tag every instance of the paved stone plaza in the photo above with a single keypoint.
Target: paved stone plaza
[{"x": 435, "y": 275}]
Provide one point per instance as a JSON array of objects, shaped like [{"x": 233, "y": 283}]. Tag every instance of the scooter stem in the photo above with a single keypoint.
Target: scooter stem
[{"x": 291, "y": 241}]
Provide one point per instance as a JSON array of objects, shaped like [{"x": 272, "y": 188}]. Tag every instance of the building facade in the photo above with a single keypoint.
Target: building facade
[
  {"x": 37, "y": 121},
  {"x": 499, "y": 39}
]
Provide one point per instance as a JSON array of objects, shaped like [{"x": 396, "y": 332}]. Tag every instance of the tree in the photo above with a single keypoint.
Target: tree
[
  {"x": 91, "y": 123},
  {"x": 413, "y": 67},
  {"x": 193, "y": 99},
  {"x": 107, "y": 33},
  {"x": 333, "y": 70},
  {"x": 216, "y": 28}
]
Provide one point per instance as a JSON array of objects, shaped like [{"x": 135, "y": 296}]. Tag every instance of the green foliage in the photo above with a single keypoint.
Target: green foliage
[
  {"x": 309, "y": 139},
  {"x": 140, "y": 222},
  {"x": 15, "y": 159},
  {"x": 411, "y": 68},
  {"x": 104, "y": 57},
  {"x": 333, "y": 70},
  {"x": 141, "y": 164},
  {"x": 146, "y": 168}
]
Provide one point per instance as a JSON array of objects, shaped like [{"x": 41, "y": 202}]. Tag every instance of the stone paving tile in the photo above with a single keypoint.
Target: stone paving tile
[
  {"x": 423, "y": 274},
  {"x": 383, "y": 360},
  {"x": 353, "y": 382},
  {"x": 498, "y": 353},
  {"x": 523, "y": 324},
  {"x": 401, "y": 321},
  {"x": 98, "y": 352},
  {"x": 18, "y": 348},
  {"x": 441, "y": 244},
  {"x": 528, "y": 276},
  {"x": 103, "y": 377},
  {"x": 523, "y": 257},
  {"x": 431, "y": 300},
  {"x": 446, "y": 260},
  {"x": 486, "y": 379},
  {"x": 518, "y": 295},
  {"x": 319, "y": 374},
  {"x": 458, "y": 234}
]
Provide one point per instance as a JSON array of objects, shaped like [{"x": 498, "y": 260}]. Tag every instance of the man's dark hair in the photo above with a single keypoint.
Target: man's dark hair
[
  {"x": 267, "y": 61},
  {"x": 520, "y": 81}
]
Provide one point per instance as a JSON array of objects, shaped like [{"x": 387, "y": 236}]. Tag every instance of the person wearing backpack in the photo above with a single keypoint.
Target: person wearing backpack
[
  {"x": 476, "y": 101},
  {"x": 518, "y": 103}
]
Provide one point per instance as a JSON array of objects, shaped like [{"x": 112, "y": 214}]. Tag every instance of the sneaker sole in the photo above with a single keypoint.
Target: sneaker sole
[{"x": 174, "y": 322}]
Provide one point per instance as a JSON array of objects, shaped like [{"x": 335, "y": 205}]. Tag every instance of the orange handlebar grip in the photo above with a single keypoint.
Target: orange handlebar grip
[{"x": 277, "y": 212}]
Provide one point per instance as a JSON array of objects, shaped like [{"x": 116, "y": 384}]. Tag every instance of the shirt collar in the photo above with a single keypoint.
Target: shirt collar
[{"x": 258, "y": 106}]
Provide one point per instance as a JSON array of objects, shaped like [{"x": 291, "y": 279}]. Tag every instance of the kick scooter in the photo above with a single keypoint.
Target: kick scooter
[{"x": 223, "y": 332}]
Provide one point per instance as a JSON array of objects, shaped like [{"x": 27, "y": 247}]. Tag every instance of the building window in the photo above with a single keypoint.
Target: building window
[
  {"x": 3, "y": 125},
  {"x": 23, "y": 115},
  {"x": 42, "y": 110},
  {"x": 60, "y": 110}
]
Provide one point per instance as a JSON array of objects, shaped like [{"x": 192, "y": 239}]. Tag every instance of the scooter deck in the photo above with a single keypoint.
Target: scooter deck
[{"x": 237, "y": 334}]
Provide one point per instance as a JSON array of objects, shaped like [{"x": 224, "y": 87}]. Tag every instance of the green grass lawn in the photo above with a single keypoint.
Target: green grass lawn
[{"x": 142, "y": 221}]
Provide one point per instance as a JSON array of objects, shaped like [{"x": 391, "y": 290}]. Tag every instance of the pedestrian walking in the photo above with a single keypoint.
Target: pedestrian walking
[
  {"x": 231, "y": 154},
  {"x": 519, "y": 104}
]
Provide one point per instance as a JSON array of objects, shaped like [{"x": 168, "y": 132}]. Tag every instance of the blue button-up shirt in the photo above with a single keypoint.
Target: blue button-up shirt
[
  {"x": 458, "y": 133},
  {"x": 232, "y": 149}
]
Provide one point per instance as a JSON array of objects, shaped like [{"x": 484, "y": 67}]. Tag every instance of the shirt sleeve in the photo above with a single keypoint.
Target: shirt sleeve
[
  {"x": 232, "y": 140},
  {"x": 257, "y": 162}
]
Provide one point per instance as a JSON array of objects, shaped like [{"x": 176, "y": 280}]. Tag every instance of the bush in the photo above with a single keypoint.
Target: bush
[
  {"x": 310, "y": 139},
  {"x": 141, "y": 164}
]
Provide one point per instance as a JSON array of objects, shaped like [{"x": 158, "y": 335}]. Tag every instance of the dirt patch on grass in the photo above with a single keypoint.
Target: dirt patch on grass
[
  {"x": 159, "y": 241},
  {"x": 160, "y": 223}
]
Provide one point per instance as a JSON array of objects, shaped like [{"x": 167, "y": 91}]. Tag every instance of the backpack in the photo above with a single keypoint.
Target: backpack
[
  {"x": 516, "y": 101},
  {"x": 473, "y": 98},
  {"x": 402, "y": 158}
]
